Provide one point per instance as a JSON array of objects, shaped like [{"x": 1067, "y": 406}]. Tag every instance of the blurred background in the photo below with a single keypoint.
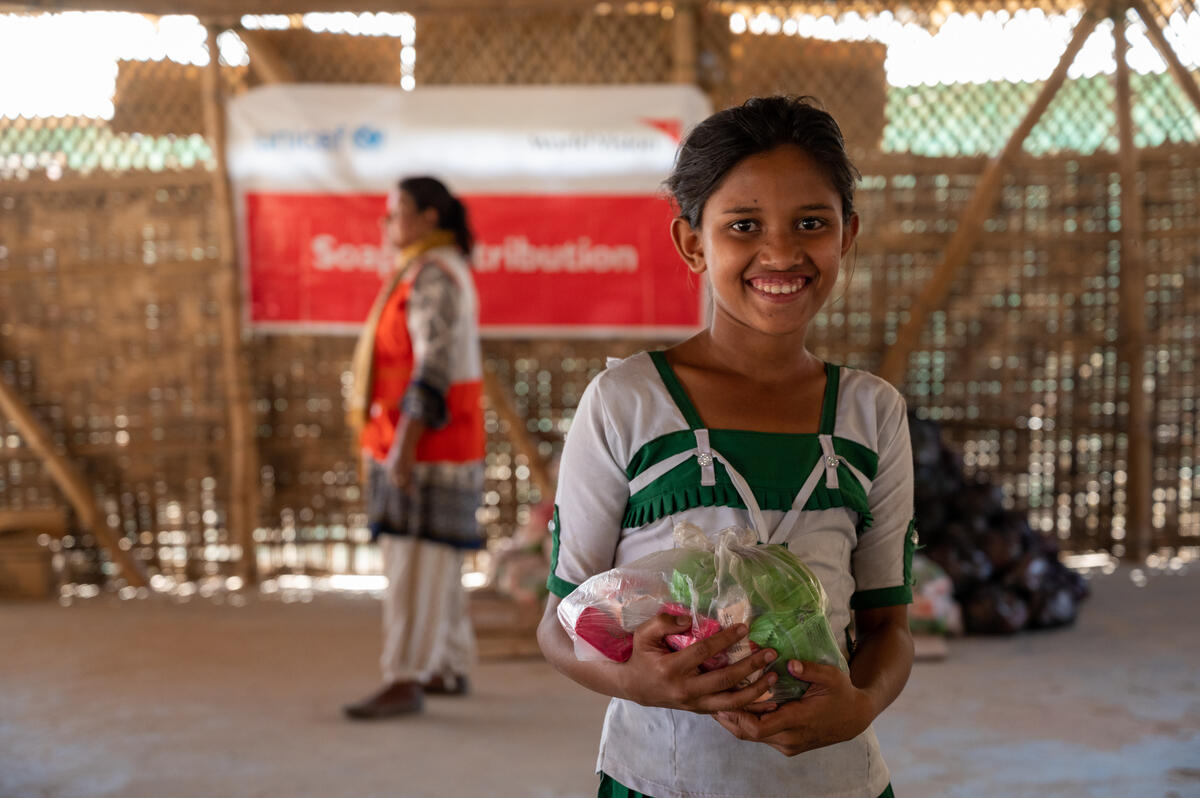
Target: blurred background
[{"x": 1027, "y": 275}]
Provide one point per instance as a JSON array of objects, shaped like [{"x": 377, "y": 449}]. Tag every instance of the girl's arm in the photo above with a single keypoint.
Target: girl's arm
[
  {"x": 883, "y": 656},
  {"x": 656, "y": 676}
]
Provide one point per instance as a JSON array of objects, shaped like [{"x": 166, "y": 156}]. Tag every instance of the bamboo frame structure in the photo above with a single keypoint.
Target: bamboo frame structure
[
  {"x": 1132, "y": 341},
  {"x": 497, "y": 394},
  {"x": 970, "y": 223},
  {"x": 683, "y": 68},
  {"x": 243, "y": 503},
  {"x": 52, "y": 522},
  {"x": 1182, "y": 76},
  {"x": 689, "y": 50},
  {"x": 73, "y": 485}
]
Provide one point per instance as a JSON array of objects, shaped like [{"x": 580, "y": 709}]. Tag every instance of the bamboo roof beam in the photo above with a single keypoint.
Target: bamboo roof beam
[
  {"x": 1185, "y": 79},
  {"x": 235, "y": 371},
  {"x": 72, "y": 483},
  {"x": 970, "y": 223}
]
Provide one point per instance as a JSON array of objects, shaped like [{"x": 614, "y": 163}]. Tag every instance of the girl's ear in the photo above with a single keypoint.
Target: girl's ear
[
  {"x": 849, "y": 233},
  {"x": 687, "y": 243}
]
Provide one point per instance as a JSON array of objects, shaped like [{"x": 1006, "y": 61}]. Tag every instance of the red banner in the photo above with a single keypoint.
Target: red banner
[{"x": 543, "y": 263}]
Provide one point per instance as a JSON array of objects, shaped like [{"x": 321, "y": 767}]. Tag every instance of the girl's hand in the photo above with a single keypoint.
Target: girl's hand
[
  {"x": 832, "y": 711},
  {"x": 657, "y": 676}
]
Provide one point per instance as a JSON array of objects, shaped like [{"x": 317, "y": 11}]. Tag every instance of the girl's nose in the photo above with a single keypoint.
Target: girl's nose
[{"x": 781, "y": 250}]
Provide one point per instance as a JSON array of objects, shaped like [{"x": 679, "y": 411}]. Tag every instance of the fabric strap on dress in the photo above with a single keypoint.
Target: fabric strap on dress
[
  {"x": 743, "y": 489},
  {"x": 831, "y": 461},
  {"x": 826, "y": 466},
  {"x": 704, "y": 456},
  {"x": 659, "y": 469}
]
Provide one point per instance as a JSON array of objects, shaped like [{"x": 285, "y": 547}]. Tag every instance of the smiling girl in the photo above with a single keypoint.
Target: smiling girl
[{"x": 742, "y": 425}]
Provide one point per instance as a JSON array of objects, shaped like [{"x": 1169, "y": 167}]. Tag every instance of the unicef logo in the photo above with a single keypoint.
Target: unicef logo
[{"x": 367, "y": 138}]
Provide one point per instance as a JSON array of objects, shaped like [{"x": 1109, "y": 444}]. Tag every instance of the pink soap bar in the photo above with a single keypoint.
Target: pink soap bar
[
  {"x": 604, "y": 633},
  {"x": 701, "y": 628}
]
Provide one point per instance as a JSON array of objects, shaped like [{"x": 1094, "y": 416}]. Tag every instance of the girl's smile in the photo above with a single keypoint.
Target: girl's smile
[{"x": 778, "y": 288}]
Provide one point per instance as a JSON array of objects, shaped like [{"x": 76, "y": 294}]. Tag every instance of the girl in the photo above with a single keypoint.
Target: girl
[
  {"x": 742, "y": 425},
  {"x": 416, "y": 402}
]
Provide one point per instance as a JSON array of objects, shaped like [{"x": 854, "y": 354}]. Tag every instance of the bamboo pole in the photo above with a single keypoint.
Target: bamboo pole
[
  {"x": 243, "y": 455},
  {"x": 71, "y": 482},
  {"x": 1132, "y": 318},
  {"x": 50, "y": 521},
  {"x": 518, "y": 434},
  {"x": 1185, "y": 79},
  {"x": 265, "y": 60},
  {"x": 970, "y": 222},
  {"x": 683, "y": 29}
]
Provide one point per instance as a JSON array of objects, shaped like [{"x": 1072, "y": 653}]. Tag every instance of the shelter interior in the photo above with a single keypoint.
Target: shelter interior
[{"x": 1028, "y": 271}]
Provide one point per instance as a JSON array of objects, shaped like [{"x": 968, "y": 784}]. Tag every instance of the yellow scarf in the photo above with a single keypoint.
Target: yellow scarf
[{"x": 363, "y": 362}]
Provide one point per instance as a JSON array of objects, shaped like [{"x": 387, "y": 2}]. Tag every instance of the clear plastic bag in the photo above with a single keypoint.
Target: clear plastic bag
[{"x": 716, "y": 582}]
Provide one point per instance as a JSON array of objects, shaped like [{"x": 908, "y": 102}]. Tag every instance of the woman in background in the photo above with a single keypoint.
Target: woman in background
[{"x": 416, "y": 404}]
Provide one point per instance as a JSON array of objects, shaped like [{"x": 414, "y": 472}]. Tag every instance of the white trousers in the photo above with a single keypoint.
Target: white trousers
[{"x": 426, "y": 630}]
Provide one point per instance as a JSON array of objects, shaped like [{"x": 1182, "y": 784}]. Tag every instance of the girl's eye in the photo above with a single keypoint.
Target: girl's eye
[
  {"x": 744, "y": 226},
  {"x": 811, "y": 223}
]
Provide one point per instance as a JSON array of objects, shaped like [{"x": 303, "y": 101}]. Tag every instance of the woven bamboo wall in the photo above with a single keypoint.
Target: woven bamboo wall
[
  {"x": 545, "y": 46},
  {"x": 109, "y": 292}
]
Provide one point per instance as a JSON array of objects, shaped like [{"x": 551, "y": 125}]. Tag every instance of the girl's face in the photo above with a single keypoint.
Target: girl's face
[
  {"x": 404, "y": 223},
  {"x": 771, "y": 240}
]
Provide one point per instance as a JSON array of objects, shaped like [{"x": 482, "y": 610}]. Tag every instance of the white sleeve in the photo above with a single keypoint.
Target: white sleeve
[
  {"x": 882, "y": 559},
  {"x": 593, "y": 492}
]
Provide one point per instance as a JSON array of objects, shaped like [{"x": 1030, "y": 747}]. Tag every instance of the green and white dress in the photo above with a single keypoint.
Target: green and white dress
[{"x": 638, "y": 459}]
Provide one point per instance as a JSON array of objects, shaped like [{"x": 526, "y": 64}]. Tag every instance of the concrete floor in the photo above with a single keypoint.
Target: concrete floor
[{"x": 153, "y": 698}]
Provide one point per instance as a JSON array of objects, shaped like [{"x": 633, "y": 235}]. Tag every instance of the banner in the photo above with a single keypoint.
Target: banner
[{"x": 562, "y": 186}]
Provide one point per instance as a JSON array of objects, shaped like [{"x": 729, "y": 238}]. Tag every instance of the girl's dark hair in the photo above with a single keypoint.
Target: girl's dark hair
[
  {"x": 760, "y": 124},
  {"x": 429, "y": 192}
]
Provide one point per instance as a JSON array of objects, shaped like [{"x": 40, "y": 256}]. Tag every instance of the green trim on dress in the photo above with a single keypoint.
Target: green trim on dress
[
  {"x": 775, "y": 474},
  {"x": 752, "y": 451},
  {"x": 910, "y": 546},
  {"x": 881, "y": 597},
  {"x": 770, "y": 469},
  {"x": 833, "y": 377},
  {"x": 557, "y": 585},
  {"x": 676, "y": 389},
  {"x": 659, "y": 501}
]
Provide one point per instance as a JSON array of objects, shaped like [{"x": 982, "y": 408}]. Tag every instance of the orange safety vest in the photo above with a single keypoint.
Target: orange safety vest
[{"x": 463, "y": 439}]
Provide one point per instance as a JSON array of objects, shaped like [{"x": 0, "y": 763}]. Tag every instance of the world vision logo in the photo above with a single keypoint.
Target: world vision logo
[
  {"x": 672, "y": 127},
  {"x": 623, "y": 141}
]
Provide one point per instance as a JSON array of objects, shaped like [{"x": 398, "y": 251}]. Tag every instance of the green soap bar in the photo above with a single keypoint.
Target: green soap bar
[{"x": 694, "y": 582}]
